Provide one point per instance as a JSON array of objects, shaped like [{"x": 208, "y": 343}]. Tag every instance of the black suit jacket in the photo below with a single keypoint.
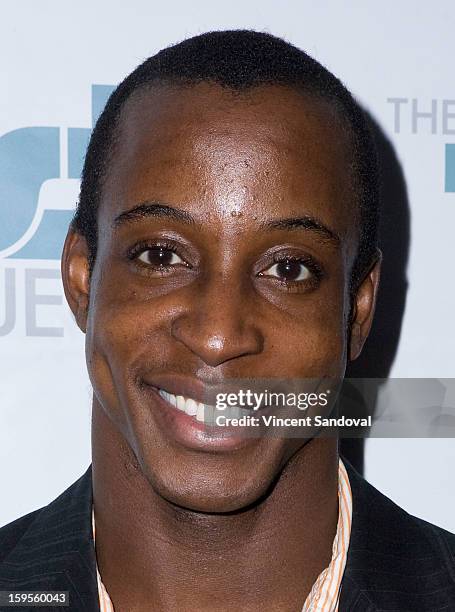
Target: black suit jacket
[{"x": 395, "y": 561}]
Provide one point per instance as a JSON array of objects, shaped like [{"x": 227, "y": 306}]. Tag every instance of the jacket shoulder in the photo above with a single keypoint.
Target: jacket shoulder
[
  {"x": 440, "y": 539},
  {"x": 36, "y": 526},
  {"x": 405, "y": 532},
  {"x": 51, "y": 549},
  {"x": 396, "y": 561}
]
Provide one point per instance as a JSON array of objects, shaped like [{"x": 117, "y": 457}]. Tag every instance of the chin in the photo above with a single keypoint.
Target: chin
[{"x": 211, "y": 490}]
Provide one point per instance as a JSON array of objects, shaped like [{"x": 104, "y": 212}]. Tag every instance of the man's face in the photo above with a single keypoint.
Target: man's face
[{"x": 236, "y": 265}]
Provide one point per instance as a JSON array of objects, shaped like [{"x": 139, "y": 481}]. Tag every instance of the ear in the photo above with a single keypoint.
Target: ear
[
  {"x": 76, "y": 277},
  {"x": 363, "y": 307}
]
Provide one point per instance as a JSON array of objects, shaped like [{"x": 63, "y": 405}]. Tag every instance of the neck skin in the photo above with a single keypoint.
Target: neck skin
[{"x": 154, "y": 556}]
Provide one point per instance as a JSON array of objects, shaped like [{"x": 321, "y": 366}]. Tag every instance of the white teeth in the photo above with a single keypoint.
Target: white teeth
[
  {"x": 168, "y": 397},
  {"x": 180, "y": 402},
  {"x": 200, "y": 412},
  {"x": 191, "y": 407},
  {"x": 205, "y": 413},
  {"x": 187, "y": 405}
]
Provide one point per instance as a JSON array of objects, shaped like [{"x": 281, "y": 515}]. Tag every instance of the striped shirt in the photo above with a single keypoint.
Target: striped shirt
[{"x": 325, "y": 593}]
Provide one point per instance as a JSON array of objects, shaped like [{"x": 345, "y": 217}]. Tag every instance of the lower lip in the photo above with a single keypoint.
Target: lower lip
[{"x": 194, "y": 434}]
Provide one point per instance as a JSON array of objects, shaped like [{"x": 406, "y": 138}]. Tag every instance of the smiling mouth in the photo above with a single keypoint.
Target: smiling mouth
[{"x": 204, "y": 413}]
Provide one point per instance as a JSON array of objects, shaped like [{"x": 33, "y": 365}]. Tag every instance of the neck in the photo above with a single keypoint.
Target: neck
[{"x": 154, "y": 555}]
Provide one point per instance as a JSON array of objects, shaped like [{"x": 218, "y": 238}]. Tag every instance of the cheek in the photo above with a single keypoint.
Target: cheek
[
  {"x": 121, "y": 320},
  {"x": 311, "y": 341},
  {"x": 115, "y": 330},
  {"x": 127, "y": 328}
]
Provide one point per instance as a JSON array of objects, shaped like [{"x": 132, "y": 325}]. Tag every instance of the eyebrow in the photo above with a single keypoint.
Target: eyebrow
[
  {"x": 306, "y": 223},
  {"x": 159, "y": 209},
  {"x": 153, "y": 209}
]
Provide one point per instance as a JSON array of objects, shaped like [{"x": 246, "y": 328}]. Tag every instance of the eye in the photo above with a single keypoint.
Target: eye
[
  {"x": 160, "y": 257},
  {"x": 288, "y": 269}
]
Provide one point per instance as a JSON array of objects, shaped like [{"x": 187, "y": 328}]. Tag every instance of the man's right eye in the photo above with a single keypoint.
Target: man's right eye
[{"x": 160, "y": 257}]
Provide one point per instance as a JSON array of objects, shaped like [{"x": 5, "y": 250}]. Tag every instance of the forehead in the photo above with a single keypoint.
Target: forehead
[{"x": 268, "y": 151}]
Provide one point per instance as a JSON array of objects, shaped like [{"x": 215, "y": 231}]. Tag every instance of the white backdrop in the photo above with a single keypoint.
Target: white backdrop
[{"x": 52, "y": 53}]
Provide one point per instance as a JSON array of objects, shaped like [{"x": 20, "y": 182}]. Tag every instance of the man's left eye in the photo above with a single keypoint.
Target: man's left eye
[
  {"x": 289, "y": 270},
  {"x": 160, "y": 257}
]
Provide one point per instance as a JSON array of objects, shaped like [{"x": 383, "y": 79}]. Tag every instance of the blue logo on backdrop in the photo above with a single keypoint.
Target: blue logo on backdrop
[
  {"x": 33, "y": 161},
  {"x": 450, "y": 168}
]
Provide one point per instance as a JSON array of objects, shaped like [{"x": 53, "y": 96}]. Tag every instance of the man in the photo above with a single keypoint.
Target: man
[{"x": 226, "y": 229}]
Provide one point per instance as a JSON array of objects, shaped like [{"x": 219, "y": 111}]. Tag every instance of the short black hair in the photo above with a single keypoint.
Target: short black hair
[{"x": 237, "y": 60}]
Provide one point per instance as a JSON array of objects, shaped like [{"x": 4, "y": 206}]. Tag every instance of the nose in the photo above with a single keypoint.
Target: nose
[{"x": 219, "y": 324}]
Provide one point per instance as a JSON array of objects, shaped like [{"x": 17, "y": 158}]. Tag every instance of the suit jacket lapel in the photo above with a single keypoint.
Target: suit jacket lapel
[{"x": 353, "y": 596}]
